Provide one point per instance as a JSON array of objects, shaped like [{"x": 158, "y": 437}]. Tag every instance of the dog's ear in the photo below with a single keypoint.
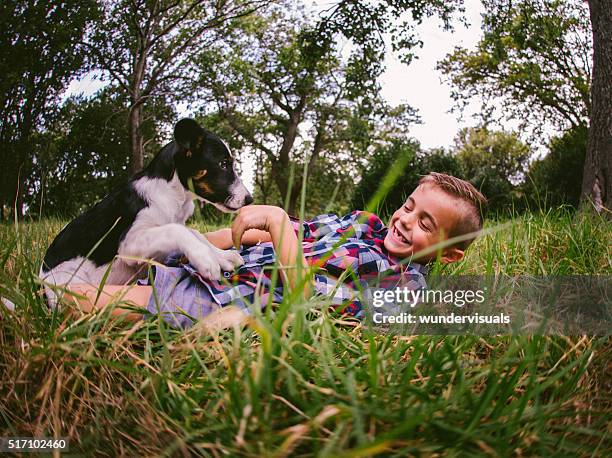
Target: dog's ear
[{"x": 187, "y": 132}]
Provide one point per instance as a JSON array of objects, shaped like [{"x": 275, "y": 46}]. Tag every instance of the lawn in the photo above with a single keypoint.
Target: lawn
[{"x": 299, "y": 382}]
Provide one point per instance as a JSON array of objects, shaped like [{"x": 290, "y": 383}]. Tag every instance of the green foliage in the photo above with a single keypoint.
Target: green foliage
[
  {"x": 557, "y": 178},
  {"x": 330, "y": 187},
  {"x": 304, "y": 383},
  {"x": 290, "y": 107},
  {"x": 85, "y": 156},
  {"x": 369, "y": 27},
  {"x": 84, "y": 153},
  {"x": 416, "y": 164},
  {"x": 294, "y": 100},
  {"x": 534, "y": 56},
  {"x": 40, "y": 53},
  {"x": 146, "y": 49},
  {"x": 493, "y": 161}
]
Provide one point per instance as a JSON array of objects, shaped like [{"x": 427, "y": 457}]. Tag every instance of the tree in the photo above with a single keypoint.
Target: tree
[
  {"x": 597, "y": 181},
  {"x": 146, "y": 48},
  {"x": 75, "y": 159},
  {"x": 289, "y": 107},
  {"x": 367, "y": 26},
  {"x": 534, "y": 57},
  {"x": 557, "y": 178},
  {"x": 494, "y": 162},
  {"x": 39, "y": 55},
  {"x": 329, "y": 188},
  {"x": 404, "y": 153}
]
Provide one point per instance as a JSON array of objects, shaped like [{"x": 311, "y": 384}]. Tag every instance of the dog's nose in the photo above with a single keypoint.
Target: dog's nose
[{"x": 248, "y": 199}]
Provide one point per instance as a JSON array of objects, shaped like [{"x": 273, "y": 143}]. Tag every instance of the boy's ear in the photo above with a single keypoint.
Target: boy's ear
[{"x": 451, "y": 254}]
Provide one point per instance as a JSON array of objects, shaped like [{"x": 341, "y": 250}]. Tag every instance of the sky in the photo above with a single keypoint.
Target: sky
[{"x": 418, "y": 84}]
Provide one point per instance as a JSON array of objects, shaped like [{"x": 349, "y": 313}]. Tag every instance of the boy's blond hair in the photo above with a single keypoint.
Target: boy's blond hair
[{"x": 474, "y": 204}]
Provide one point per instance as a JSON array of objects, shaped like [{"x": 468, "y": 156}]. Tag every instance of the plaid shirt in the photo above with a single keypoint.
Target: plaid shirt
[{"x": 348, "y": 252}]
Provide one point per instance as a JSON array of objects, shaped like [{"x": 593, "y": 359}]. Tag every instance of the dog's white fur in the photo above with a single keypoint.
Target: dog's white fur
[{"x": 158, "y": 230}]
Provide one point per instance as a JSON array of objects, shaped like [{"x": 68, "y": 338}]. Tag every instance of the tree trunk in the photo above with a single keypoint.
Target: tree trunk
[
  {"x": 597, "y": 180},
  {"x": 20, "y": 193},
  {"x": 17, "y": 183},
  {"x": 294, "y": 199},
  {"x": 135, "y": 118},
  {"x": 136, "y": 141},
  {"x": 281, "y": 169}
]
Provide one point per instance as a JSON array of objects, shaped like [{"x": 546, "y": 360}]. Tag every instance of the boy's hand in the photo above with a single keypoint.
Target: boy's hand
[
  {"x": 263, "y": 217},
  {"x": 275, "y": 221}
]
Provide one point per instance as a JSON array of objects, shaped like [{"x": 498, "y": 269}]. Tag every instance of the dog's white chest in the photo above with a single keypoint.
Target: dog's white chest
[{"x": 168, "y": 202}]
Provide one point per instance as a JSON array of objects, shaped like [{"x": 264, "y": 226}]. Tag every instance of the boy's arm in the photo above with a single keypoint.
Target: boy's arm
[
  {"x": 275, "y": 221},
  {"x": 313, "y": 229},
  {"x": 223, "y": 237}
]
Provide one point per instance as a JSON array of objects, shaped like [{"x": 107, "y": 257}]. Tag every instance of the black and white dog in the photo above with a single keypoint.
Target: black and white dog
[{"x": 144, "y": 218}]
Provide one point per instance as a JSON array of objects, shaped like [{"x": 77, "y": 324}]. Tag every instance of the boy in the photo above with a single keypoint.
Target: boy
[{"x": 440, "y": 208}]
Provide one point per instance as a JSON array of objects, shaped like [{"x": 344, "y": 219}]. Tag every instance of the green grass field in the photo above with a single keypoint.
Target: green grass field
[{"x": 308, "y": 384}]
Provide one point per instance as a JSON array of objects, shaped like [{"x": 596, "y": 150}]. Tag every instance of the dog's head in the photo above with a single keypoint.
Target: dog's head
[{"x": 205, "y": 158}]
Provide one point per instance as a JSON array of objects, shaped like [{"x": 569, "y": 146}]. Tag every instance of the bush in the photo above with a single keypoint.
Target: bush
[
  {"x": 494, "y": 162},
  {"x": 557, "y": 178},
  {"x": 415, "y": 164}
]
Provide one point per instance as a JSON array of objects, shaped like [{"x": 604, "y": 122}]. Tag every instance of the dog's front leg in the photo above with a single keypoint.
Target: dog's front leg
[
  {"x": 159, "y": 241},
  {"x": 228, "y": 259}
]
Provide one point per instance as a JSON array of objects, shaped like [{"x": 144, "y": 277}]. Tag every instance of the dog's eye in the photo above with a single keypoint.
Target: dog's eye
[{"x": 226, "y": 164}]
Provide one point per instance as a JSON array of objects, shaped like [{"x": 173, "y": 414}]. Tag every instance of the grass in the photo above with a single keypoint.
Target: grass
[{"x": 310, "y": 384}]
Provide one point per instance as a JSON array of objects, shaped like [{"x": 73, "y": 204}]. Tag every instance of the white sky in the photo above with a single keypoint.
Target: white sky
[{"x": 418, "y": 84}]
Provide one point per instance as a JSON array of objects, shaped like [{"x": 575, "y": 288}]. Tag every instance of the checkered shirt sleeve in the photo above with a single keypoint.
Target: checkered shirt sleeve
[{"x": 358, "y": 224}]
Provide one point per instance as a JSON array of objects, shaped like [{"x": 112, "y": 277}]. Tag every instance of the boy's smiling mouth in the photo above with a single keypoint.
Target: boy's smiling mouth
[{"x": 398, "y": 235}]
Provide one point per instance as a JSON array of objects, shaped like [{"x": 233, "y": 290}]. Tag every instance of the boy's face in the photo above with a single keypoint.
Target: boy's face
[{"x": 426, "y": 218}]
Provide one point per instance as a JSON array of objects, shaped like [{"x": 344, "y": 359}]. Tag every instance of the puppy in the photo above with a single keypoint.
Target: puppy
[{"x": 145, "y": 217}]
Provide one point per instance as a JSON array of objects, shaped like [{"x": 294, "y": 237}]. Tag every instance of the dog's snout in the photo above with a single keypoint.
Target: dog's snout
[{"x": 239, "y": 196}]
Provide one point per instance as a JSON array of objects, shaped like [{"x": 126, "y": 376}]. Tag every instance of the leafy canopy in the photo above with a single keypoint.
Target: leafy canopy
[
  {"x": 289, "y": 108},
  {"x": 534, "y": 56},
  {"x": 493, "y": 161}
]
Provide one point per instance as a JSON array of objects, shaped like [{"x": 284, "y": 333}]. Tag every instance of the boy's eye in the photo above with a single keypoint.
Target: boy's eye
[{"x": 424, "y": 226}]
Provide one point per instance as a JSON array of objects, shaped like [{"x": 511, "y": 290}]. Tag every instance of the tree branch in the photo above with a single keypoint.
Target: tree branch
[{"x": 114, "y": 73}]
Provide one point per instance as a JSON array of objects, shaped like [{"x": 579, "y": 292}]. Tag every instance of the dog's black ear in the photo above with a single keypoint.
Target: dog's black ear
[{"x": 187, "y": 132}]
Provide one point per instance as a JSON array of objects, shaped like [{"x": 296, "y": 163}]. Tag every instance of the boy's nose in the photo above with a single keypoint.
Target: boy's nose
[{"x": 406, "y": 220}]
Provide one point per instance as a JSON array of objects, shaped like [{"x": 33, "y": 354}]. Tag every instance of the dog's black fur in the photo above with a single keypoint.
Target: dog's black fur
[
  {"x": 195, "y": 155},
  {"x": 107, "y": 222}
]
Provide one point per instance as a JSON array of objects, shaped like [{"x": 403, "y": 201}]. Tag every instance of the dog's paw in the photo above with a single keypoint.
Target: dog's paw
[
  {"x": 230, "y": 260},
  {"x": 206, "y": 265}
]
